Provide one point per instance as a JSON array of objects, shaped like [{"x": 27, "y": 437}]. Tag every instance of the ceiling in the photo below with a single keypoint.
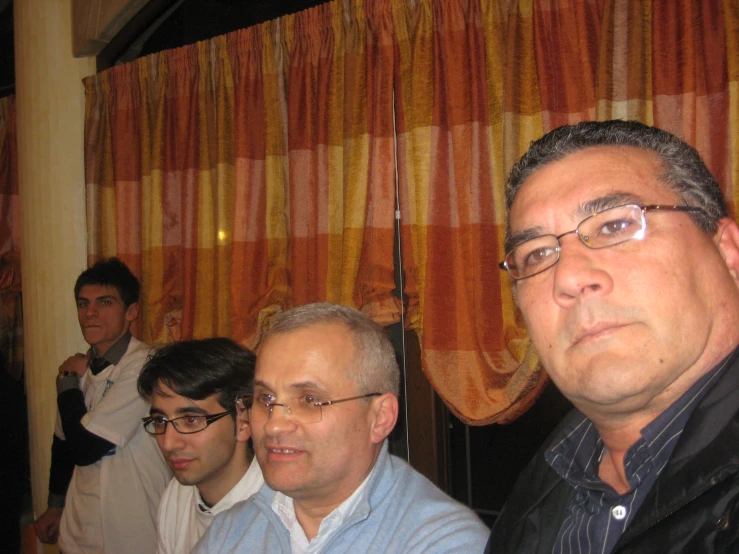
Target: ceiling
[{"x": 174, "y": 24}]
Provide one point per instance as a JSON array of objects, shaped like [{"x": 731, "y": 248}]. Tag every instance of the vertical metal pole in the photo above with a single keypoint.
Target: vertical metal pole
[{"x": 401, "y": 282}]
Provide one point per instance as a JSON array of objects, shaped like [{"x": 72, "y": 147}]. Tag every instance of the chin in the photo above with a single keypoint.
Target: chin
[
  {"x": 283, "y": 485},
  {"x": 92, "y": 338},
  {"x": 185, "y": 479},
  {"x": 624, "y": 394}
]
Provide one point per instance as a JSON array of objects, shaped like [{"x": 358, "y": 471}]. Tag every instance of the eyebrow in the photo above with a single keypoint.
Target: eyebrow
[
  {"x": 104, "y": 297},
  {"x": 180, "y": 411},
  {"x": 191, "y": 410},
  {"x": 583, "y": 210},
  {"x": 300, "y": 385},
  {"x": 592, "y": 207},
  {"x": 258, "y": 383}
]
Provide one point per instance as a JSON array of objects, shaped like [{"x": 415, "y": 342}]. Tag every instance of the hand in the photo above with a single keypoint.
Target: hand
[
  {"x": 47, "y": 526},
  {"x": 75, "y": 364}
]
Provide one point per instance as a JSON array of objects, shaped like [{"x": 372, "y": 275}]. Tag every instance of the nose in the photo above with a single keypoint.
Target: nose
[
  {"x": 170, "y": 440},
  {"x": 91, "y": 310},
  {"x": 580, "y": 273},
  {"x": 280, "y": 422}
]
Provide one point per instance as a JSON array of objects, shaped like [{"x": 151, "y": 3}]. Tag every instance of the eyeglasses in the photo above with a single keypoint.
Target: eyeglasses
[
  {"x": 601, "y": 230},
  {"x": 305, "y": 409},
  {"x": 186, "y": 425}
]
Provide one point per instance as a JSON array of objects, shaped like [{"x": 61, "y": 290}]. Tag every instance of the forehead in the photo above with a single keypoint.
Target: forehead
[
  {"x": 90, "y": 292},
  {"x": 318, "y": 353},
  {"x": 560, "y": 189}
]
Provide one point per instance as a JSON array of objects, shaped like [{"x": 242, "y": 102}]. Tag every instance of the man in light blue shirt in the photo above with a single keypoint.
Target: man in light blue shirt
[{"x": 325, "y": 399}]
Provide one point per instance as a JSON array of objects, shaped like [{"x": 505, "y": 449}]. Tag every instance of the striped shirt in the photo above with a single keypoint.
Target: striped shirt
[{"x": 597, "y": 516}]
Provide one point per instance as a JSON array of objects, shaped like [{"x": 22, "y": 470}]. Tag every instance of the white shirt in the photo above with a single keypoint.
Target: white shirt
[
  {"x": 112, "y": 504},
  {"x": 284, "y": 507},
  {"x": 184, "y": 517}
]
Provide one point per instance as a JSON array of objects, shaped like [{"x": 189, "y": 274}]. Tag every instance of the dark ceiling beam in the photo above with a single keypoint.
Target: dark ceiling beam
[
  {"x": 149, "y": 16},
  {"x": 96, "y": 22}
]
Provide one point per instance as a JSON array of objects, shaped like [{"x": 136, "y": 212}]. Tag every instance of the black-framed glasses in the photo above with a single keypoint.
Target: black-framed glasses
[
  {"x": 606, "y": 228},
  {"x": 186, "y": 425},
  {"x": 306, "y": 408}
]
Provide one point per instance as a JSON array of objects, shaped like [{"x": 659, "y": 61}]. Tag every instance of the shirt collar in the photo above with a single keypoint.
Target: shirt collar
[
  {"x": 115, "y": 353},
  {"x": 578, "y": 448},
  {"x": 249, "y": 484},
  {"x": 284, "y": 507}
]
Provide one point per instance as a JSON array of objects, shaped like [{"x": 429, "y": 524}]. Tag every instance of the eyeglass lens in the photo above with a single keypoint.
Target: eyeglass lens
[
  {"x": 306, "y": 409},
  {"x": 607, "y": 228},
  {"x": 157, "y": 425}
]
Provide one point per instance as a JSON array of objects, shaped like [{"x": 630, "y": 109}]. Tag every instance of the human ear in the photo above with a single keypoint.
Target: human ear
[
  {"x": 727, "y": 241},
  {"x": 132, "y": 312},
  {"x": 385, "y": 412},
  {"x": 243, "y": 429}
]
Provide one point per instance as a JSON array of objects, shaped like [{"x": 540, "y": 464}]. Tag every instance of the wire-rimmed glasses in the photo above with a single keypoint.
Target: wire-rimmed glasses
[
  {"x": 606, "y": 228},
  {"x": 305, "y": 408}
]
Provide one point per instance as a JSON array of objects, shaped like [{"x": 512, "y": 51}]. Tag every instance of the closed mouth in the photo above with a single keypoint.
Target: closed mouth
[
  {"x": 584, "y": 334},
  {"x": 179, "y": 463}
]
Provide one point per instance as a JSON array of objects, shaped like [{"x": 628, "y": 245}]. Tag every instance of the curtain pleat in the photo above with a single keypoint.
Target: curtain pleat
[
  {"x": 11, "y": 313},
  {"x": 512, "y": 70},
  {"x": 256, "y": 171},
  {"x": 249, "y": 173},
  {"x": 731, "y": 34}
]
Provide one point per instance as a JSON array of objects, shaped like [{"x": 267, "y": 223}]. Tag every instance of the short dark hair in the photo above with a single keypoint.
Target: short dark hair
[
  {"x": 111, "y": 273},
  {"x": 196, "y": 369},
  {"x": 683, "y": 170}
]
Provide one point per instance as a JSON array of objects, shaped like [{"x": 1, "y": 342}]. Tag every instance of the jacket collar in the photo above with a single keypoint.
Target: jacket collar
[{"x": 705, "y": 455}]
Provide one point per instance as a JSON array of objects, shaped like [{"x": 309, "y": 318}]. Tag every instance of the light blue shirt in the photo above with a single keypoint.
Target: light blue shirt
[{"x": 399, "y": 512}]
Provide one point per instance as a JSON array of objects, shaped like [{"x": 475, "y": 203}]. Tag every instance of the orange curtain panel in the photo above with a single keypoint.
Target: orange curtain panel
[
  {"x": 250, "y": 173},
  {"x": 256, "y": 171},
  {"x": 478, "y": 81}
]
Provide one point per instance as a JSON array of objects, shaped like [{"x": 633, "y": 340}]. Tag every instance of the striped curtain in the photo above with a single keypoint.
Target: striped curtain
[
  {"x": 249, "y": 173},
  {"x": 11, "y": 312},
  {"x": 256, "y": 171},
  {"x": 479, "y": 80}
]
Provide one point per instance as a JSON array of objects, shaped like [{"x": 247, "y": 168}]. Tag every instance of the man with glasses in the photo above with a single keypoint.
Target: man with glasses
[
  {"x": 192, "y": 386},
  {"x": 325, "y": 399},
  {"x": 106, "y": 472},
  {"x": 624, "y": 263}
]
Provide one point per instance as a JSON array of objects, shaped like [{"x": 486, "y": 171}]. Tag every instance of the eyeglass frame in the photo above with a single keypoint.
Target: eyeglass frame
[
  {"x": 288, "y": 411},
  {"x": 644, "y": 209},
  {"x": 211, "y": 418}
]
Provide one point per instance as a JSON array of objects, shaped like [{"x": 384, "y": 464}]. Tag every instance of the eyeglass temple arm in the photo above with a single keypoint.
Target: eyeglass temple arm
[{"x": 331, "y": 402}]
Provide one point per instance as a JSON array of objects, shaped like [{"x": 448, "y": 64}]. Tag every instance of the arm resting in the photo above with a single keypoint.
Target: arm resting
[{"x": 86, "y": 448}]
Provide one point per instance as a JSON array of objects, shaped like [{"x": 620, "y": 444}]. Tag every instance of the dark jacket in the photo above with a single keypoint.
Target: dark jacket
[{"x": 693, "y": 507}]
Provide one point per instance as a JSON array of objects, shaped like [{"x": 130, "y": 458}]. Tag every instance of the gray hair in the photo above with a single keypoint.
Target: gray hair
[
  {"x": 683, "y": 170},
  {"x": 375, "y": 368}
]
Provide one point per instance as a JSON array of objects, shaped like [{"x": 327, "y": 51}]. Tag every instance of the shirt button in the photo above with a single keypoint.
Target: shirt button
[
  {"x": 723, "y": 523},
  {"x": 619, "y": 512}
]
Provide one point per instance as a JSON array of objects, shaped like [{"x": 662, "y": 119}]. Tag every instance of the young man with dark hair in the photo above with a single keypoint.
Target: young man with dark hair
[
  {"x": 193, "y": 385},
  {"x": 106, "y": 473}
]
